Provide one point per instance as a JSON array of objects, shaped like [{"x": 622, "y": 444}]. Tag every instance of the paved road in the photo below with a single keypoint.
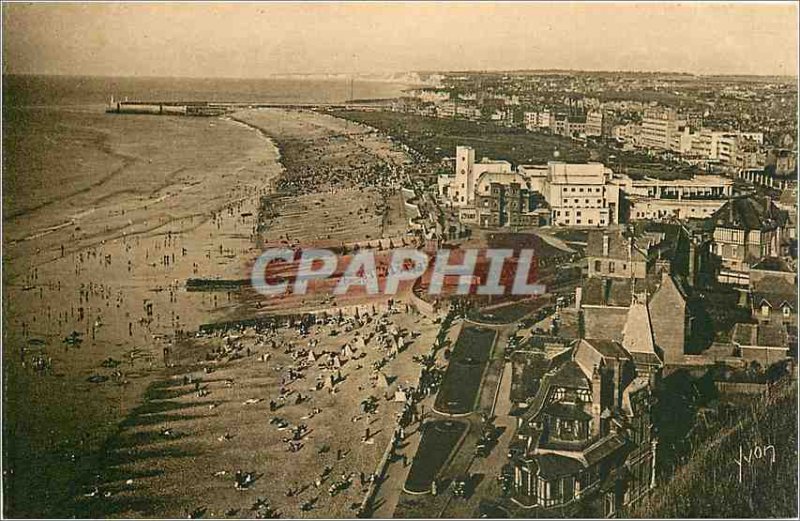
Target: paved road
[{"x": 494, "y": 401}]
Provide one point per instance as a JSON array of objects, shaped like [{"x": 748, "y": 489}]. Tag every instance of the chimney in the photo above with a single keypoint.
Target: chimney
[
  {"x": 605, "y": 245},
  {"x": 617, "y": 383},
  {"x": 597, "y": 403}
]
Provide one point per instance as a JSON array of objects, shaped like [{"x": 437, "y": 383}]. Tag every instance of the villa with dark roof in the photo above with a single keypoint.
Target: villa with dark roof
[
  {"x": 587, "y": 434},
  {"x": 746, "y": 230}
]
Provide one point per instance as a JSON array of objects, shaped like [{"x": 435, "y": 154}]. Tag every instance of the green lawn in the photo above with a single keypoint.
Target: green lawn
[
  {"x": 437, "y": 138},
  {"x": 439, "y": 438},
  {"x": 462, "y": 379}
]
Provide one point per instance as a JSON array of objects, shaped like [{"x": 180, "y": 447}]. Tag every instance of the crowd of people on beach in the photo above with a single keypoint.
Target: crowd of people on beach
[{"x": 301, "y": 360}]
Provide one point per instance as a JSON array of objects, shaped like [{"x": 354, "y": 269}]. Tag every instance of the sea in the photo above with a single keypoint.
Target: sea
[
  {"x": 31, "y": 90},
  {"x": 59, "y": 142}
]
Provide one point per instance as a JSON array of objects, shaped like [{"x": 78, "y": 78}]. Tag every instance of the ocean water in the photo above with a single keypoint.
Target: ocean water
[
  {"x": 19, "y": 91},
  {"x": 63, "y": 154}
]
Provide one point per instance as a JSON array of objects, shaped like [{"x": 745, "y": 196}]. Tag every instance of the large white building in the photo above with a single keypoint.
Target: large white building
[
  {"x": 658, "y": 126},
  {"x": 581, "y": 194},
  {"x": 721, "y": 146},
  {"x": 594, "y": 123},
  {"x": 537, "y": 120},
  {"x": 628, "y": 133},
  {"x": 459, "y": 189},
  {"x": 698, "y": 197}
]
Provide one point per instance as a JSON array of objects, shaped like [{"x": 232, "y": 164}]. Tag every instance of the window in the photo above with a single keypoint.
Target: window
[
  {"x": 787, "y": 311},
  {"x": 591, "y": 221},
  {"x": 598, "y": 266},
  {"x": 765, "y": 309},
  {"x": 569, "y": 488},
  {"x": 578, "y": 213},
  {"x": 611, "y": 267},
  {"x": 580, "y": 190}
]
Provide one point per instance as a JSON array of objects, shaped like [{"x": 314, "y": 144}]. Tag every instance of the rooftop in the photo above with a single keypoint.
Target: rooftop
[
  {"x": 567, "y": 411},
  {"x": 619, "y": 246},
  {"x": 637, "y": 336},
  {"x": 599, "y": 291},
  {"x": 749, "y": 213},
  {"x": 554, "y": 466},
  {"x": 775, "y": 289},
  {"x": 570, "y": 375},
  {"x": 772, "y": 264},
  {"x": 577, "y": 173},
  {"x": 762, "y": 335},
  {"x": 698, "y": 181}
]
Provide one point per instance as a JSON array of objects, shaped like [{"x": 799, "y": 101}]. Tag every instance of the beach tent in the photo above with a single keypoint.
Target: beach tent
[
  {"x": 312, "y": 357},
  {"x": 383, "y": 382}
]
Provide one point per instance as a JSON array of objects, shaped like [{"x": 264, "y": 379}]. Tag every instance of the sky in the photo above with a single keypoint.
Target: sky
[{"x": 248, "y": 40}]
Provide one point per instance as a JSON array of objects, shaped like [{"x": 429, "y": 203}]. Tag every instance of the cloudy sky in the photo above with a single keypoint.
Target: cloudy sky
[{"x": 253, "y": 40}]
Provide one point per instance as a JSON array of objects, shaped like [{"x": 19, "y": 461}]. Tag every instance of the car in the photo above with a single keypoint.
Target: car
[
  {"x": 481, "y": 449},
  {"x": 514, "y": 451},
  {"x": 461, "y": 486}
]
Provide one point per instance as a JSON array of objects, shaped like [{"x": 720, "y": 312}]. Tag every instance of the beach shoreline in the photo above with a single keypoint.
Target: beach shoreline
[{"x": 64, "y": 400}]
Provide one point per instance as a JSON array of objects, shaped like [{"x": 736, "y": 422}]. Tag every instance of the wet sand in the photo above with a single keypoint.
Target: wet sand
[{"x": 174, "y": 198}]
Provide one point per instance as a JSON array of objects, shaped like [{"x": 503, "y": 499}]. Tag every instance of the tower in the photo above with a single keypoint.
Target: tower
[{"x": 464, "y": 178}]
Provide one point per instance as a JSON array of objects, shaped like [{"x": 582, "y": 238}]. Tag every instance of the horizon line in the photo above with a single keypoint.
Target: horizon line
[{"x": 421, "y": 71}]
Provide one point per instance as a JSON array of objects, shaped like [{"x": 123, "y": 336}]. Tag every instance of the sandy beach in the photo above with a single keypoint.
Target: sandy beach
[{"x": 94, "y": 300}]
